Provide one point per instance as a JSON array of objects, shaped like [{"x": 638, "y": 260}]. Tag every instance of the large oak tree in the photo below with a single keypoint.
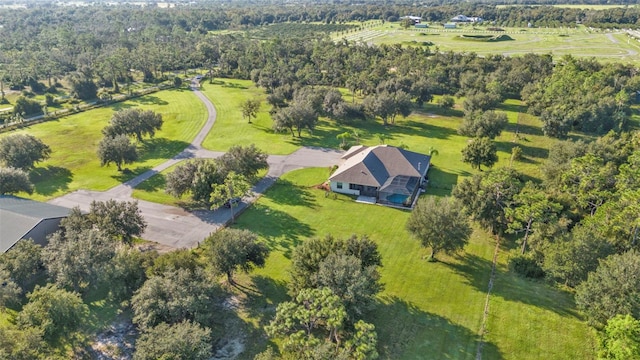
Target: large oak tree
[{"x": 439, "y": 224}]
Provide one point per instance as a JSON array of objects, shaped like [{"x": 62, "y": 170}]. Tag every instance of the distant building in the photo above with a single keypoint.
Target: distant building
[
  {"x": 23, "y": 219},
  {"x": 450, "y": 26},
  {"x": 465, "y": 19},
  {"x": 415, "y": 19},
  {"x": 421, "y": 26}
]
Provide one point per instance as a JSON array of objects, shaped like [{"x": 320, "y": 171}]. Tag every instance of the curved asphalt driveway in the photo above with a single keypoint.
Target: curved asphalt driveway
[{"x": 174, "y": 227}]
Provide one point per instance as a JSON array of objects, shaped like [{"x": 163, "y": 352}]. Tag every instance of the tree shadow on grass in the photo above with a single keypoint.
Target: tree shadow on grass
[
  {"x": 428, "y": 109},
  {"x": 265, "y": 296},
  {"x": 326, "y": 135},
  {"x": 417, "y": 128},
  {"x": 517, "y": 108},
  {"x": 524, "y": 129},
  {"x": 153, "y": 184},
  {"x": 280, "y": 230},
  {"x": 476, "y": 272},
  {"x": 528, "y": 151},
  {"x": 122, "y": 105},
  {"x": 284, "y": 192},
  {"x": 127, "y": 173},
  {"x": 319, "y": 138},
  {"x": 102, "y": 309},
  {"x": 148, "y": 100},
  {"x": 442, "y": 180},
  {"x": 233, "y": 85},
  {"x": 161, "y": 148},
  {"x": 50, "y": 179},
  {"x": 405, "y": 331},
  {"x": 259, "y": 303}
]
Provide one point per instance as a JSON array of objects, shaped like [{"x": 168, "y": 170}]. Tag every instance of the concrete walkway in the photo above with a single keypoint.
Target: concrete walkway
[{"x": 176, "y": 228}]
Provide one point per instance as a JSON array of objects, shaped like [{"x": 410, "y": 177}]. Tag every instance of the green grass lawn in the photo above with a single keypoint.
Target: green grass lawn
[
  {"x": 425, "y": 128},
  {"x": 153, "y": 189},
  {"x": 427, "y": 310},
  {"x": 578, "y": 42},
  {"x": 429, "y": 127},
  {"x": 74, "y": 139},
  {"x": 231, "y": 129}
]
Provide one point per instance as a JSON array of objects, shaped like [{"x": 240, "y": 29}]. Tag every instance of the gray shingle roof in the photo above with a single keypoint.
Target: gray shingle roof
[
  {"x": 373, "y": 166},
  {"x": 18, "y": 216}
]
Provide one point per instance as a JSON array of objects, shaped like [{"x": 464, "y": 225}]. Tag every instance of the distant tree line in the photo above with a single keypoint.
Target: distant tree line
[{"x": 97, "y": 46}]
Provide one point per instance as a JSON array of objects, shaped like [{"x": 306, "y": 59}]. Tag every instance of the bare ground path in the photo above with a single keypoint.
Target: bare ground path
[{"x": 178, "y": 228}]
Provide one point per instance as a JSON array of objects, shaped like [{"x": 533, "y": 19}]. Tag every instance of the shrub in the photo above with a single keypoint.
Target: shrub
[
  {"x": 50, "y": 100},
  {"x": 26, "y": 106},
  {"x": 35, "y": 86},
  {"x": 446, "y": 102},
  {"x": 526, "y": 266}
]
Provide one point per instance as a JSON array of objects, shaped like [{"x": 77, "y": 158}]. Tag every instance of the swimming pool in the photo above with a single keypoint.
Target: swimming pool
[{"x": 397, "y": 198}]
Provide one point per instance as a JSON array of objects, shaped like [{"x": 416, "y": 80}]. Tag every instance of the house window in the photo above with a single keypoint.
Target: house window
[{"x": 338, "y": 185}]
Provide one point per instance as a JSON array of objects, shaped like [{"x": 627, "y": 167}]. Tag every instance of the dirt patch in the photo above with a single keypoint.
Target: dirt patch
[
  {"x": 115, "y": 343},
  {"x": 324, "y": 186}
]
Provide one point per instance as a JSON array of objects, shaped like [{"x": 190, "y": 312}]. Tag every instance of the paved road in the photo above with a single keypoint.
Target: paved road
[{"x": 176, "y": 228}]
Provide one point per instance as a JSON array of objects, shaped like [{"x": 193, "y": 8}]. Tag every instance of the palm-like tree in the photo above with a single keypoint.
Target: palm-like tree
[{"x": 343, "y": 137}]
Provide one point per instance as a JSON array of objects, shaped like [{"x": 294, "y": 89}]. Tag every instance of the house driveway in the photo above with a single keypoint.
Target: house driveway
[{"x": 177, "y": 228}]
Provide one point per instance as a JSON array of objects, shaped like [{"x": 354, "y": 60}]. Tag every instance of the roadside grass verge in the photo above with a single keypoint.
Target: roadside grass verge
[
  {"x": 427, "y": 310},
  {"x": 74, "y": 140},
  {"x": 152, "y": 189}
]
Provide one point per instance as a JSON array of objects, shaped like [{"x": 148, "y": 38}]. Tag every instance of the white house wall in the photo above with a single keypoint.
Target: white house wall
[{"x": 345, "y": 188}]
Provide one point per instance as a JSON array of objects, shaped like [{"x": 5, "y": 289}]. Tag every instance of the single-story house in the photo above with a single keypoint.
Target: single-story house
[
  {"x": 23, "y": 219},
  {"x": 390, "y": 175},
  {"x": 421, "y": 26}
]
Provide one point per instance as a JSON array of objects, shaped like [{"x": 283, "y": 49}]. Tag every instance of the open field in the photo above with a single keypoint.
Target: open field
[
  {"x": 427, "y": 310},
  {"x": 580, "y": 42},
  {"x": 227, "y": 95},
  {"x": 74, "y": 139},
  {"x": 427, "y": 128}
]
